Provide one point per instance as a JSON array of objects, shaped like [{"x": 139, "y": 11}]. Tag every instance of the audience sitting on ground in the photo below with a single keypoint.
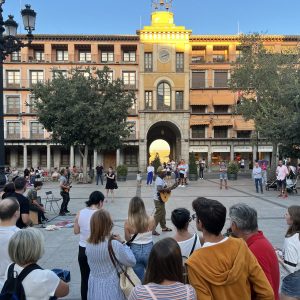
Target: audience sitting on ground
[
  {"x": 9, "y": 214},
  {"x": 104, "y": 282},
  {"x": 20, "y": 188},
  {"x": 35, "y": 202},
  {"x": 243, "y": 220},
  {"x": 138, "y": 233},
  {"x": 164, "y": 275},
  {"x": 289, "y": 257},
  {"x": 55, "y": 175},
  {"x": 8, "y": 190},
  {"x": 224, "y": 268},
  {"x": 82, "y": 227},
  {"x": 25, "y": 248},
  {"x": 187, "y": 242}
]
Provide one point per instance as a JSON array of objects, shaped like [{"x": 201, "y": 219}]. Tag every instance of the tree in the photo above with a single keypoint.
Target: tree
[
  {"x": 84, "y": 109},
  {"x": 268, "y": 84},
  {"x": 156, "y": 162}
]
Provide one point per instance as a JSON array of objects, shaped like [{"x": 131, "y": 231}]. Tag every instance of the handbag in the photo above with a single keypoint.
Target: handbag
[{"x": 128, "y": 278}]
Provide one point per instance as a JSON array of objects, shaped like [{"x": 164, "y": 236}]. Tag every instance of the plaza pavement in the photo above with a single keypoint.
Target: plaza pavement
[{"x": 62, "y": 245}]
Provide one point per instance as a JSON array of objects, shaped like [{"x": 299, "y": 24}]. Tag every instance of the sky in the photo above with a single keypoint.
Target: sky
[{"x": 126, "y": 16}]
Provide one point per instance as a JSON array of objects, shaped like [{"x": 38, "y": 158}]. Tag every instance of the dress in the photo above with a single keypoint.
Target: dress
[
  {"x": 110, "y": 183},
  {"x": 104, "y": 280}
]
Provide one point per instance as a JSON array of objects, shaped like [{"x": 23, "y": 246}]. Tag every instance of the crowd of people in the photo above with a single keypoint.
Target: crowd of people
[{"x": 238, "y": 264}]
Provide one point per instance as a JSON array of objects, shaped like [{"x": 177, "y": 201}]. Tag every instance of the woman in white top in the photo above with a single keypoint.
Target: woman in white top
[
  {"x": 82, "y": 227},
  {"x": 187, "y": 242},
  {"x": 290, "y": 260},
  {"x": 138, "y": 234},
  {"x": 25, "y": 248}
]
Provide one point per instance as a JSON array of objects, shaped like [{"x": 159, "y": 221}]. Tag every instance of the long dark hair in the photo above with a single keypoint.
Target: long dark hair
[
  {"x": 165, "y": 262},
  {"x": 294, "y": 212}
]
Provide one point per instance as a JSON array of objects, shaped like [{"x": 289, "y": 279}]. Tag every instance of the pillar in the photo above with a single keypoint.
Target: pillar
[
  {"x": 143, "y": 156},
  {"x": 56, "y": 158},
  {"x": 118, "y": 156},
  {"x": 231, "y": 152},
  {"x": 71, "y": 156},
  {"x": 101, "y": 158},
  {"x": 35, "y": 157},
  {"x": 254, "y": 151},
  {"x": 25, "y": 156},
  {"x": 209, "y": 157},
  {"x": 95, "y": 160},
  {"x": 48, "y": 158},
  {"x": 13, "y": 159}
]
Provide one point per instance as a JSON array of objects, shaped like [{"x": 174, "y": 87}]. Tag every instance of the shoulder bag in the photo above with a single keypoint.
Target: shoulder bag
[{"x": 128, "y": 278}]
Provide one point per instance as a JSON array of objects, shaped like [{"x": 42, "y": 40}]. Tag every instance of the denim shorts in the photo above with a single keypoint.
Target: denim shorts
[
  {"x": 291, "y": 285},
  {"x": 223, "y": 176}
]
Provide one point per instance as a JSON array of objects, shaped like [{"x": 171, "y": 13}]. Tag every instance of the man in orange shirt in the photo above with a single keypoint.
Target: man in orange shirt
[{"x": 224, "y": 268}]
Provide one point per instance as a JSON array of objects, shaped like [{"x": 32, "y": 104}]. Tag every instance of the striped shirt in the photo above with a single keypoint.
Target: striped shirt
[{"x": 175, "y": 291}]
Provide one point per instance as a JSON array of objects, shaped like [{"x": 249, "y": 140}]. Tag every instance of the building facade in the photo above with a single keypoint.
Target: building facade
[{"x": 180, "y": 80}]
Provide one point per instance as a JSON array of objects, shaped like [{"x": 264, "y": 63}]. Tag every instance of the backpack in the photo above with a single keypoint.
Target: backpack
[
  {"x": 13, "y": 288},
  {"x": 184, "y": 259}
]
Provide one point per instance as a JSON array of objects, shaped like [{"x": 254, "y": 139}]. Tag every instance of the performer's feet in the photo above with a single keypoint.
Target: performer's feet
[
  {"x": 67, "y": 211},
  {"x": 155, "y": 233},
  {"x": 166, "y": 229},
  {"x": 62, "y": 214}
]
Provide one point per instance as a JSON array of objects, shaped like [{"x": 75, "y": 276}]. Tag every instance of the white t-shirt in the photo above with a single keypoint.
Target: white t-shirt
[
  {"x": 208, "y": 244},
  {"x": 282, "y": 172},
  {"x": 5, "y": 234},
  {"x": 158, "y": 182},
  {"x": 39, "y": 284},
  {"x": 150, "y": 169},
  {"x": 186, "y": 246},
  {"x": 291, "y": 253},
  {"x": 84, "y": 224}
]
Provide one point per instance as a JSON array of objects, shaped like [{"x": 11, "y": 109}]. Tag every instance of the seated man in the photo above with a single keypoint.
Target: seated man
[
  {"x": 34, "y": 202},
  {"x": 224, "y": 268},
  {"x": 243, "y": 219}
]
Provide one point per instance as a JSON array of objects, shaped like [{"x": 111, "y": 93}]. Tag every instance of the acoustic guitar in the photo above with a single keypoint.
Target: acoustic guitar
[
  {"x": 68, "y": 187},
  {"x": 164, "y": 196}
]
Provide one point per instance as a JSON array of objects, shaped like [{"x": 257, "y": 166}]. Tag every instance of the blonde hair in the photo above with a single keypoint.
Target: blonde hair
[
  {"x": 137, "y": 216},
  {"x": 26, "y": 246},
  {"x": 101, "y": 226}
]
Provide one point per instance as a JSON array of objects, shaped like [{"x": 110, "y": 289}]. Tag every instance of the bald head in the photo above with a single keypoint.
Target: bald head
[{"x": 8, "y": 209}]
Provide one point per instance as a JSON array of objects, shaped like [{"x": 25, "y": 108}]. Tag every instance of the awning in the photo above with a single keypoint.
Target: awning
[
  {"x": 197, "y": 98},
  {"x": 244, "y": 125},
  {"x": 224, "y": 99},
  {"x": 220, "y": 122},
  {"x": 199, "y": 120}
]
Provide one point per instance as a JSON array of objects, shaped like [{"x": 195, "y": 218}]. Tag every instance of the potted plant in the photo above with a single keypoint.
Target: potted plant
[
  {"x": 232, "y": 170},
  {"x": 122, "y": 172},
  {"x": 193, "y": 172}
]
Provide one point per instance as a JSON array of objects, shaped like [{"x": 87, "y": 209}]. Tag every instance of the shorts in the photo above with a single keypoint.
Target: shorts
[
  {"x": 242, "y": 167},
  {"x": 223, "y": 176},
  {"x": 181, "y": 175},
  {"x": 282, "y": 183},
  {"x": 169, "y": 173},
  {"x": 291, "y": 285}
]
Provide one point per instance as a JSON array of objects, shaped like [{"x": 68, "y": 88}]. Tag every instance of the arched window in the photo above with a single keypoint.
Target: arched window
[{"x": 164, "y": 96}]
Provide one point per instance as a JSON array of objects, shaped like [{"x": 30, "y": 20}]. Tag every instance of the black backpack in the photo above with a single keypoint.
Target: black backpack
[{"x": 13, "y": 287}]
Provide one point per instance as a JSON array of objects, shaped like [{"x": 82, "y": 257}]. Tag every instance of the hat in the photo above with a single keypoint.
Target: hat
[{"x": 160, "y": 169}]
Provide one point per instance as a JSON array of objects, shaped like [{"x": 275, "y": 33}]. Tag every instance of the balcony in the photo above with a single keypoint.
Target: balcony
[{"x": 13, "y": 136}]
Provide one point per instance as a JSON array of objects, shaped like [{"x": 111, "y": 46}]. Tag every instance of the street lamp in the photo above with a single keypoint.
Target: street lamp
[{"x": 9, "y": 43}]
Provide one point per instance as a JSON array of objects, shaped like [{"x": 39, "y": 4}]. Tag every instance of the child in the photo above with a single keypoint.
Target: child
[{"x": 139, "y": 178}]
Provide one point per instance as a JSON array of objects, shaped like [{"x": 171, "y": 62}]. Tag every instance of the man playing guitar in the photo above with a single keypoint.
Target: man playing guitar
[
  {"x": 160, "y": 210},
  {"x": 64, "y": 192}
]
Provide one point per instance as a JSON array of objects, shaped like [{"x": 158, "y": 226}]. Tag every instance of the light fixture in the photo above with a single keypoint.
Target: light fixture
[
  {"x": 29, "y": 17},
  {"x": 11, "y": 26}
]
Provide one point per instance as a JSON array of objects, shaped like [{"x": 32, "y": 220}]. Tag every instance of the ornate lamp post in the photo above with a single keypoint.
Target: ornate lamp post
[{"x": 9, "y": 43}]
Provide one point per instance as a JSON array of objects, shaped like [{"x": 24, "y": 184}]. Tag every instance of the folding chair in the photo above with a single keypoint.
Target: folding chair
[{"x": 51, "y": 199}]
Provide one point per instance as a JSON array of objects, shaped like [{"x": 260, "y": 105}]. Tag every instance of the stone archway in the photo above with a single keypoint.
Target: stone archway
[{"x": 169, "y": 132}]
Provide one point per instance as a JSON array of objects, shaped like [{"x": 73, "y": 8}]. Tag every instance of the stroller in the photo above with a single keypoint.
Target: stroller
[
  {"x": 272, "y": 184},
  {"x": 291, "y": 185}
]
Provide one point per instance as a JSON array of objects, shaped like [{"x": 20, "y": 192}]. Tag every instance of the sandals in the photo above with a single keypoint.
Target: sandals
[
  {"x": 166, "y": 229},
  {"x": 155, "y": 233}
]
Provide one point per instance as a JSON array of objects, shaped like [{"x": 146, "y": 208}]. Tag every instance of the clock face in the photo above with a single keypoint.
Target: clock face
[{"x": 164, "y": 55}]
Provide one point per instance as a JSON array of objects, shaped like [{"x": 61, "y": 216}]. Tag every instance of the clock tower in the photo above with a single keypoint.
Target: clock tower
[{"x": 164, "y": 84}]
